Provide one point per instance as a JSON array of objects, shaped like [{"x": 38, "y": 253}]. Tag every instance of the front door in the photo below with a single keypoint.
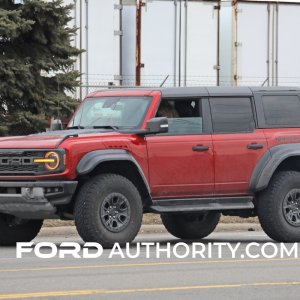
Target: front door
[{"x": 181, "y": 161}]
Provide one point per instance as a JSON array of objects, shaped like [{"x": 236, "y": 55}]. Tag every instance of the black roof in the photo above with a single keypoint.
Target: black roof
[
  {"x": 219, "y": 90},
  {"x": 177, "y": 92}
]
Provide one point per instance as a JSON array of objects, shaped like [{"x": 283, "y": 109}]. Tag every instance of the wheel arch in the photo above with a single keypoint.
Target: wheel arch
[
  {"x": 278, "y": 158},
  {"x": 116, "y": 161}
]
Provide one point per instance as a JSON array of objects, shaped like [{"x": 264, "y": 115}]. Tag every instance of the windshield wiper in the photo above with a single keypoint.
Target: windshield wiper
[
  {"x": 106, "y": 127},
  {"x": 76, "y": 127}
]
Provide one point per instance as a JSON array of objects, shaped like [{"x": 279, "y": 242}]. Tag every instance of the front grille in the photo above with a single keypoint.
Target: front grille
[
  {"x": 20, "y": 162},
  {"x": 17, "y": 153},
  {"x": 28, "y": 169}
]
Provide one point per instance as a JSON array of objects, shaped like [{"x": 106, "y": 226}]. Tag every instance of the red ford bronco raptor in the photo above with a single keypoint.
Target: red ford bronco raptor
[{"x": 189, "y": 154}]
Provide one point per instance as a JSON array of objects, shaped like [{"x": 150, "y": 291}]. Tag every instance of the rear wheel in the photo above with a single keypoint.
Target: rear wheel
[
  {"x": 14, "y": 230},
  {"x": 108, "y": 209},
  {"x": 279, "y": 207},
  {"x": 191, "y": 226}
]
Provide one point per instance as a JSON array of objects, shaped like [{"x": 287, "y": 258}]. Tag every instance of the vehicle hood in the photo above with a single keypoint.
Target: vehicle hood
[{"x": 47, "y": 140}]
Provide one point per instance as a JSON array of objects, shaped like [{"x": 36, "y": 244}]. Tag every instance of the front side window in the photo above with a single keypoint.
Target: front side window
[
  {"x": 281, "y": 110},
  {"x": 184, "y": 116},
  {"x": 231, "y": 115},
  {"x": 120, "y": 112}
]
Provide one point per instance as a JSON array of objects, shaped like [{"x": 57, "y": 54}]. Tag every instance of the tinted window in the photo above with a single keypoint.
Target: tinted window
[
  {"x": 232, "y": 115},
  {"x": 282, "y": 110},
  {"x": 184, "y": 116}
]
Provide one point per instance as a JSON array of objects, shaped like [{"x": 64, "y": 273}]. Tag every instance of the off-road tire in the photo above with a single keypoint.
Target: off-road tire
[
  {"x": 191, "y": 226},
  {"x": 14, "y": 230},
  {"x": 270, "y": 207},
  {"x": 88, "y": 205}
]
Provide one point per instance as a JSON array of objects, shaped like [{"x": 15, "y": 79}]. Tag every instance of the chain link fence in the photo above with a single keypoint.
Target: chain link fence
[
  {"x": 95, "y": 82},
  {"x": 98, "y": 82}
]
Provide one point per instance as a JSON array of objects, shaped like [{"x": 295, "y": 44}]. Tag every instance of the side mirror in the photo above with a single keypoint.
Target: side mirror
[
  {"x": 56, "y": 125},
  {"x": 157, "y": 125}
]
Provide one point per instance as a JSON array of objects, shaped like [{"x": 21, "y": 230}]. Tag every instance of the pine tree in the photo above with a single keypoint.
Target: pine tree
[{"x": 34, "y": 40}]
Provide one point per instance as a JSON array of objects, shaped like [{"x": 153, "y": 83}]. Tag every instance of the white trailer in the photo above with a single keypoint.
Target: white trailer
[
  {"x": 288, "y": 69},
  {"x": 250, "y": 46},
  {"x": 187, "y": 42},
  {"x": 264, "y": 44},
  {"x": 178, "y": 42},
  {"x": 99, "y": 34}
]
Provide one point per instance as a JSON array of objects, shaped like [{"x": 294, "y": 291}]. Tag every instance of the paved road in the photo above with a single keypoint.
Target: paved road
[{"x": 149, "y": 278}]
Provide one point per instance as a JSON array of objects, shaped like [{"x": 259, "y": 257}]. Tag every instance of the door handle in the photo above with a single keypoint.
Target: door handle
[
  {"x": 254, "y": 146},
  {"x": 200, "y": 148}
]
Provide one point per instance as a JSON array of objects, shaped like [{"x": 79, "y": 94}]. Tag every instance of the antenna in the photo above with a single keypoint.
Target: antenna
[
  {"x": 164, "y": 81},
  {"x": 265, "y": 81}
]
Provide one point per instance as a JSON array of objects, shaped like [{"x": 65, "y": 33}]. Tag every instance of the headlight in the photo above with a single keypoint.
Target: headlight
[{"x": 51, "y": 160}]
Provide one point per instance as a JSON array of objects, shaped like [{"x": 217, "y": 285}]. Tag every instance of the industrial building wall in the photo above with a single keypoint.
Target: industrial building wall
[
  {"x": 158, "y": 43},
  {"x": 288, "y": 45},
  {"x": 178, "y": 43},
  {"x": 250, "y": 47},
  {"x": 264, "y": 46},
  {"x": 182, "y": 44},
  {"x": 98, "y": 23}
]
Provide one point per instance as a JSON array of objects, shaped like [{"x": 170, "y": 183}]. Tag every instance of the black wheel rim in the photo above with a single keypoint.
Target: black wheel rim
[
  {"x": 291, "y": 207},
  {"x": 115, "y": 212}
]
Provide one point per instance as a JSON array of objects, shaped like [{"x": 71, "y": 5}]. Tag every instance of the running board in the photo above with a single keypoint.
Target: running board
[{"x": 201, "y": 204}]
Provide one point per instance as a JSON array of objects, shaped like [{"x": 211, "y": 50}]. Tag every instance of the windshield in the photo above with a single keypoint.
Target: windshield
[{"x": 114, "y": 112}]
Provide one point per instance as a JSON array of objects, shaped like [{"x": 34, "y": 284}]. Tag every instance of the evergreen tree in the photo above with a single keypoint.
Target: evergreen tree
[{"x": 35, "y": 40}]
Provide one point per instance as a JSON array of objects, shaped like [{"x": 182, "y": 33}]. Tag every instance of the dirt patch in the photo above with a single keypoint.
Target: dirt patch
[
  {"x": 58, "y": 223},
  {"x": 154, "y": 219}
]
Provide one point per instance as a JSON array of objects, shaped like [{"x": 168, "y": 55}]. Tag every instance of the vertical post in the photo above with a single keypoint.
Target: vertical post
[
  {"x": 175, "y": 43},
  {"x": 121, "y": 42},
  {"x": 138, "y": 43},
  {"x": 218, "y": 8},
  {"x": 179, "y": 46},
  {"x": 185, "y": 42},
  {"x": 268, "y": 46},
  {"x": 276, "y": 41},
  {"x": 80, "y": 47},
  {"x": 75, "y": 36},
  {"x": 235, "y": 42},
  {"x": 87, "y": 45},
  {"x": 273, "y": 50}
]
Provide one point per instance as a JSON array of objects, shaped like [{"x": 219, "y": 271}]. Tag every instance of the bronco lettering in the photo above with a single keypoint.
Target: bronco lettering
[{"x": 16, "y": 161}]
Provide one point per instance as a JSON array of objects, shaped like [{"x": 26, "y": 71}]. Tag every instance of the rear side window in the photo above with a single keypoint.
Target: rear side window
[
  {"x": 231, "y": 115},
  {"x": 282, "y": 110}
]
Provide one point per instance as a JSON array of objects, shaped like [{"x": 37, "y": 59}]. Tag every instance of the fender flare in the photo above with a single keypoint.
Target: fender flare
[
  {"x": 268, "y": 164},
  {"x": 94, "y": 158}
]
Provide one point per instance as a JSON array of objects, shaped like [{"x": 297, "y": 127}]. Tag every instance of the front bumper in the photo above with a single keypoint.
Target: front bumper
[{"x": 35, "y": 200}]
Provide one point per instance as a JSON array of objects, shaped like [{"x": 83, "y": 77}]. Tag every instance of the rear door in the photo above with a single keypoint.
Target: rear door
[
  {"x": 238, "y": 144},
  {"x": 181, "y": 161}
]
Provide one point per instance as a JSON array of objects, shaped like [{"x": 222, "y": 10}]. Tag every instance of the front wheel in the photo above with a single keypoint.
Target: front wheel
[
  {"x": 108, "y": 210},
  {"x": 279, "y": 207},
  {"x": 14, "y": 230},
  {"x": 191, "y": 226}
]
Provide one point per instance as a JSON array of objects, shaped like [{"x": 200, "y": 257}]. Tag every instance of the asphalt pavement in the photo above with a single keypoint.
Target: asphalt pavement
[{"x": 106, "y": 277}]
